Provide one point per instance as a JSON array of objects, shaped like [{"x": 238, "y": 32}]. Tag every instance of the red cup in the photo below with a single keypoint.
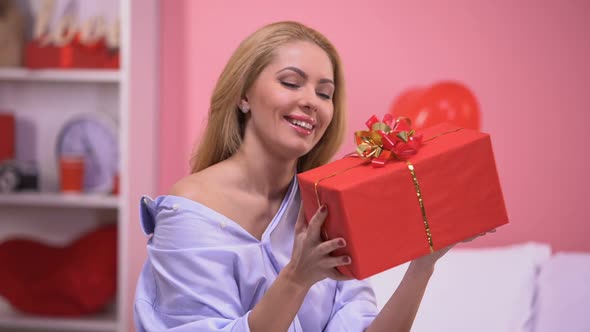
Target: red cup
[
  {"x": 71, "y": 170},
  {"x": 116, "y": 184}
]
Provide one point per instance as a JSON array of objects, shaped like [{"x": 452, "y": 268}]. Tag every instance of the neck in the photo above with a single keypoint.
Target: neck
[{"x": 262, "y": 173}]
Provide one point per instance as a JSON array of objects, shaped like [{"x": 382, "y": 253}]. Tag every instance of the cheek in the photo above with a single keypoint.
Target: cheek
[
  {"x": 285, "y": 100},
  {"x": 327, "y": 116},
  {"x": 276, "y": 100}
]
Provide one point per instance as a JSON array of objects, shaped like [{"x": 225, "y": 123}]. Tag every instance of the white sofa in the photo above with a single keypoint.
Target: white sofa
[{"x": 519, "y": 288}]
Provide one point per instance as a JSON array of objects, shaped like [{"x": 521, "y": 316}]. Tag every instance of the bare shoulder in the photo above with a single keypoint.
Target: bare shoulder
[
  {"x": 187, "y": 187},
  {"x": 199, "y": 187}
]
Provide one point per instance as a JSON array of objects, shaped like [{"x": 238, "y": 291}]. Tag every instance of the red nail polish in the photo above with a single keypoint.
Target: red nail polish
[
  {"x": 341, "y": 243},
  {"x": 346, "y": 260},
  {"x": 323, "y": 208}
]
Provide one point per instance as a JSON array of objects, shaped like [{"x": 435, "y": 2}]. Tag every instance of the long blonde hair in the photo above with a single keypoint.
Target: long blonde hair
[{"x": 225, "y": 126}]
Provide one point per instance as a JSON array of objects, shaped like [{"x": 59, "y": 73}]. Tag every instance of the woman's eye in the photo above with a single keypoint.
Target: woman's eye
[
  {"x": 289, "y": 85},
  {"x": 324, "y": 96}
]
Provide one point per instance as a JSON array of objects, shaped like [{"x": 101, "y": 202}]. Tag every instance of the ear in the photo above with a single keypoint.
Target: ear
[{"x": 244, "y": 101}]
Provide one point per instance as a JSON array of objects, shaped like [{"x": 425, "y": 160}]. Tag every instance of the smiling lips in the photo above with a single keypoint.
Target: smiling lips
[{"x": 301, "y": 124}]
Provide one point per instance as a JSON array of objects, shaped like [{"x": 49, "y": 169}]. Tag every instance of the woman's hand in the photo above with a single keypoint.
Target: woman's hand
[
  {"x": 429, "y": 260},
  {"x": 311, "y": 260}
]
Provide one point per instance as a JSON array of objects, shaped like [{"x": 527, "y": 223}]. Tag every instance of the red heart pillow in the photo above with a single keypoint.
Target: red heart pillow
[{"x": 75, "y": 280}]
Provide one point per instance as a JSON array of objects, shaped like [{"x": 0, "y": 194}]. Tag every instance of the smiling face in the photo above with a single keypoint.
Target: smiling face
[{"x": 291, "y": 101}]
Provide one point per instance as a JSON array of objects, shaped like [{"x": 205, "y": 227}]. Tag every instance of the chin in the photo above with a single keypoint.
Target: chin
[{"x": 296, "y": 151}]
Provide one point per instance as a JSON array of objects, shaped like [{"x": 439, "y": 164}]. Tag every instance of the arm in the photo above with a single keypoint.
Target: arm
[
  {"x": 189, "y": 284},
  {"x": 310, "y": 262},
  {"x": 188, "y": 281},
  {"x": 279, "y": 305},
  {"x": 399, "y": 312},
  {"x": 355, "y": 308}
]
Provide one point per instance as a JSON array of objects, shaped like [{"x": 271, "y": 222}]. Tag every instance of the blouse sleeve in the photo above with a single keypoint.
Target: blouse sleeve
[
  {"x": 188, "y": 283},
  {"x": 354, "y": 307}
]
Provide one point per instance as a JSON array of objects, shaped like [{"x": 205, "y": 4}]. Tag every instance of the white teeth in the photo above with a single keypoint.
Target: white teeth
[{"x": 303, "y": 124}]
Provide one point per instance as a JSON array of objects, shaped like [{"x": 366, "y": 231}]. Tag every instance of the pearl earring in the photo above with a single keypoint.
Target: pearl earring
[{"x": 244, "y": 108}]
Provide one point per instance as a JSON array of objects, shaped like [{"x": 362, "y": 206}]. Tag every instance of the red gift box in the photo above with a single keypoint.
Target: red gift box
[
  {"x": 73, "y": 55},
  {"x": 7, "y": 133},
  {"x": 378, "y": 211}
]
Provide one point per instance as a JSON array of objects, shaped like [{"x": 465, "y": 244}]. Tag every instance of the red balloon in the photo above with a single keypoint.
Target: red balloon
[
  {"x": 405, "y": 102},
  {"x": 447, "y": 101}
]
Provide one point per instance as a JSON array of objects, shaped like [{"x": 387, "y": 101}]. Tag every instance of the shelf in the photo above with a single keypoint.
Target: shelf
[
  {"x": 104, "y": 322},
  {"x": 60, "y": 75},
  {"x": 60, "y": 200}
]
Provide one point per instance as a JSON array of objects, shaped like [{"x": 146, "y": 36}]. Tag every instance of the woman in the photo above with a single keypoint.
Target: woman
[{"x": 230, "y": 249}]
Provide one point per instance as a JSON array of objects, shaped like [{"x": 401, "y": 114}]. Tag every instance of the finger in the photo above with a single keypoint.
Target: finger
[
  {"x": 446, "y": 249},
  {"x": 331, "y": 261},
  {"x": 338, "y": 276},
  {"x": 471, "y": 238},
  {"x": 300, "y": 225},
  {"x": 328, "y": 246},
  {"x": 316, "y": 222}
]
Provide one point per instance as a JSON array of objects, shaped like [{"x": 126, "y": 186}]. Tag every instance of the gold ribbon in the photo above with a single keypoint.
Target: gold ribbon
[
  {"x": 421, "y": 203},
  {"x": 411, "y": 168}
]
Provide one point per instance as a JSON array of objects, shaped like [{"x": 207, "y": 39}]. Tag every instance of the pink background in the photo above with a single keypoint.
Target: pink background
[{"x": 525, "y": 61}]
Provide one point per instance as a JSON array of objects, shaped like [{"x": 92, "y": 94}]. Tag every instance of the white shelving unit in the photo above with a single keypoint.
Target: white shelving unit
[
  {"x": 60, "y": 75},
  {"x": 59, "y": 200},
  {"x": 99, "y": 323},
  {"x": 41, "y": 101},
  {"x": 58, "y": 95}
]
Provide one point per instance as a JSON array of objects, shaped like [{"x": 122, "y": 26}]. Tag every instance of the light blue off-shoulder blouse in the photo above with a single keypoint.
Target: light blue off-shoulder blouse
[{"x": 204, "y": 272}]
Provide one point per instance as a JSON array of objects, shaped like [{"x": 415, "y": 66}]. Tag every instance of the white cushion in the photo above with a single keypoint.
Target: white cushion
[
  {"x": 563, "y": 301},
  {"x": 480, "y": 290}
]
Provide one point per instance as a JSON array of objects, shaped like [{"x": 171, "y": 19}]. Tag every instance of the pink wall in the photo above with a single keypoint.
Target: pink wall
[
  {"x": 140, "y": 59},
  {"x": 173, "y": 133},
  {"x": 525, "y": 61}
]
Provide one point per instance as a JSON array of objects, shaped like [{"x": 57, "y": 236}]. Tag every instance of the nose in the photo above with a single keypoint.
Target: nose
[{"x": 307, "y": 101}]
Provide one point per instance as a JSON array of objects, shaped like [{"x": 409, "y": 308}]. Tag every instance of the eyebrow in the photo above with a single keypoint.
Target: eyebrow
[{"x": 304, "y": 75}]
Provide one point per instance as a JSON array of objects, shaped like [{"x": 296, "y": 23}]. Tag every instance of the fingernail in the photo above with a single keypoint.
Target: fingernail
[
  {"x": 346, "y": 260},
  {"x": 341, "y": 243},
  {"x": 323, "y": 208}
]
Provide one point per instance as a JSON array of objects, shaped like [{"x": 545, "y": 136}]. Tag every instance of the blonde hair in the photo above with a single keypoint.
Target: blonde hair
[{"x": 225, "y": 126}]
